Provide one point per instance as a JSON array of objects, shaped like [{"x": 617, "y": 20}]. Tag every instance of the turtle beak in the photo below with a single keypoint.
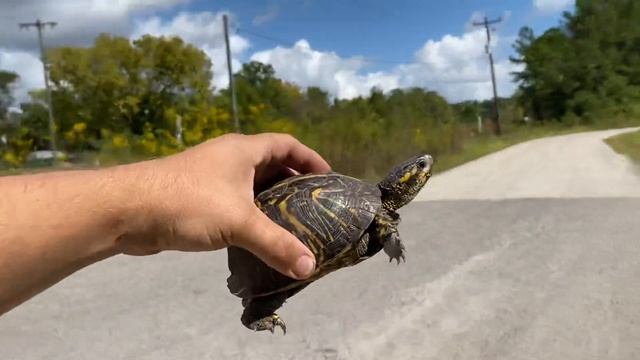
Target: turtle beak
[
  {"x": 428, "y": 164},
  {"x": 424, "y": 165}
]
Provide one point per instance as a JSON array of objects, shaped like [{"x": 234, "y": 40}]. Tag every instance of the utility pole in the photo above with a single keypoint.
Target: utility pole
[
  {"x": 40, "y": 25},
  {"x": 179, "y": 129},
  {"x": 232, "y": 87},
  {"x": 487, "y": 48}
]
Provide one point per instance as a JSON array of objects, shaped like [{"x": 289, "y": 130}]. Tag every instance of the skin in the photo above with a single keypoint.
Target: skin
[{"x": 54, "y": 224}]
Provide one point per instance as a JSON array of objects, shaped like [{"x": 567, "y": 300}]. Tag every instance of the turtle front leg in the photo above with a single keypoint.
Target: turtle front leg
[
  {"x": 387, "y": 233},
  {"x": 393, "y": 247}
]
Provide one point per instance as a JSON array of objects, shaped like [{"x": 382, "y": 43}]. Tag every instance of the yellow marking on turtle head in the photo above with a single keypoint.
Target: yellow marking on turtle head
[{"x": 408, "y": 175}]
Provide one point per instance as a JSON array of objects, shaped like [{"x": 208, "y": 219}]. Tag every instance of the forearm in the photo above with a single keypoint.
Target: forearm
[{"x": 54, "y": 224}]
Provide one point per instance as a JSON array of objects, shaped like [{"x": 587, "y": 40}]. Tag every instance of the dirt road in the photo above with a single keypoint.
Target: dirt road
[{"x": 571, "y": 166}]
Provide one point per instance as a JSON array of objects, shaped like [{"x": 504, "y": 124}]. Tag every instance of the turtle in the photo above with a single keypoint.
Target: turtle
[{"x": 343, "y": 220}]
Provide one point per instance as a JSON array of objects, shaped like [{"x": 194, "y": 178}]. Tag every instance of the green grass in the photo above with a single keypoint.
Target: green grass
[
  {"x": 472, "y": 148},
  {"x": 626, "y": 144}
]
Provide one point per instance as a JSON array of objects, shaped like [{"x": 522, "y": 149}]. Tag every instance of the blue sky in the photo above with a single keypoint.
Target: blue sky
[
  {"x": 386, "y": 30},
  {"x": 343, "y": 46}
]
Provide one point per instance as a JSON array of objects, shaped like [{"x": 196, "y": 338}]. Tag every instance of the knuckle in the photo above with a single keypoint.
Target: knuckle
[
  {"x": 289, "y": 138},
  {"x": 244, "y": 226},
  {"x": 279, "y": 137},
  {"x": 232, "y": 137}
]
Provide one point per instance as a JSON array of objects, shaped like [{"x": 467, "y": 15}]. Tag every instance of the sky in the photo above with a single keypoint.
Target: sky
[{"x": 343, "y": 46}]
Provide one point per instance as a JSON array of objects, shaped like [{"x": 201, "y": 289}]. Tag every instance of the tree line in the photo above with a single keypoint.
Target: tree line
[{"x": 585, "y": 69}]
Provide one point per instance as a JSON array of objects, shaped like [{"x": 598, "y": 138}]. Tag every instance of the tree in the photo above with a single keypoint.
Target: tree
[
  {"x": 35, "y": 118},
  {"x": 315, "y": 105},
  {"x": 122, "y": 86},
  {"x": 588, "y": 65},
  {"x": 263, "y": 98},
  {"x": 6, "y": 99}
]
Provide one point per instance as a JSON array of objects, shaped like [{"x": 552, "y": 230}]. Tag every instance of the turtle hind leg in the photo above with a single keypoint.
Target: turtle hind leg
[
  {"x": 259, "y": 313},
  {"x": 268, "y": 323}
]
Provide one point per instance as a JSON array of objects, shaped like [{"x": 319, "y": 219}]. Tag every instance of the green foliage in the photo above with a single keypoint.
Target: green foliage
[
  {"x": 124, "y": 86},
  {"x": 468, "y": 112},
  {"x": 6, "y": 99},
  {"x": 585, "y": 69},
  {"x": 262, "y": 98},
  {"x": 19, "y": 145},
  {"x": 35, "y": 117},
  {"x": 19, "y": 138},
  {"x": 367, "y": 135}
]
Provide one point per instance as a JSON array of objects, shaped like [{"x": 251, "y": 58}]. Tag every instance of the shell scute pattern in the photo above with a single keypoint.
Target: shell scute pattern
[{"x": 326, "y": 212}]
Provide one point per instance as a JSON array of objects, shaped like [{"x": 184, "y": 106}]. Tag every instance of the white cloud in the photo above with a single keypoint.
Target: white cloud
[
  {"x": 78, "y": 23},
  {"x": 458, "y": 67},
  {"x": 550, "y": 6},
  {"x": 455, "y": 66},
  {"x": 307, "y": 67},
  {"x": 204, "y": 30},
  {"x": 28, "y": 66}
]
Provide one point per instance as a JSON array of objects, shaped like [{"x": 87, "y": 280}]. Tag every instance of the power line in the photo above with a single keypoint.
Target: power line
[
  {"x": 266, "y": 37},
  {"x": 40, "y": 25}
]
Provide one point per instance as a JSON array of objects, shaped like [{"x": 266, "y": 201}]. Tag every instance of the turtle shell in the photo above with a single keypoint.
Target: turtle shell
[{"x": 327, "y": 212}]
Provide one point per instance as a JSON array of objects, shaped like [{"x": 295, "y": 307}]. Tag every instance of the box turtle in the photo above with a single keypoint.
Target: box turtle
[{"x": 341, "y": 219}]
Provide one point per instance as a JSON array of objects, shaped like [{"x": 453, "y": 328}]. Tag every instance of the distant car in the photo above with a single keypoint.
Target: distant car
[{"x": 45, "y": 157}]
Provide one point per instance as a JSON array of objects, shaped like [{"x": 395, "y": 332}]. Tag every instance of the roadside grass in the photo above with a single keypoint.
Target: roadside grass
[
  {"x": 626, "y": 144},
  {"x": 473, "y": 147}
]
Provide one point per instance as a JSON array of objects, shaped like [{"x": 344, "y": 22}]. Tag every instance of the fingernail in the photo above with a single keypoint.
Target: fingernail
[{"x": 304, "y": 267}]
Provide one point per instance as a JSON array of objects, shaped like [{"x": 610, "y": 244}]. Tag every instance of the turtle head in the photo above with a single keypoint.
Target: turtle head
[{"x": 405, "y": 181}]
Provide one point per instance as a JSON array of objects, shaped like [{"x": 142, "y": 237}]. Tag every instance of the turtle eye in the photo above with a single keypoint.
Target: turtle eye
[{"x": 422, "y": 164}]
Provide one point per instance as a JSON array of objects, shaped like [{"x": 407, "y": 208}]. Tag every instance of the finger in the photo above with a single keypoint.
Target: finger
[
  {"x": 288, "y": 151},
  {"x": 277, "y": 247}
]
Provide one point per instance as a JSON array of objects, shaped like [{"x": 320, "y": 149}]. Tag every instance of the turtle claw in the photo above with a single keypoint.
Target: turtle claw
[
  {"x": 397, "y": 258},
  {"x": 269, "y": 323}
]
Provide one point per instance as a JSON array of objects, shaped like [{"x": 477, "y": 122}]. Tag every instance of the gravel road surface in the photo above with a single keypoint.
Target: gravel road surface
[{"x": 568, "y": 166}]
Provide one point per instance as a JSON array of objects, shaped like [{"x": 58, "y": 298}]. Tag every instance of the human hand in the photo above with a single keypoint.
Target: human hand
[{"x": 202, "y": 199}]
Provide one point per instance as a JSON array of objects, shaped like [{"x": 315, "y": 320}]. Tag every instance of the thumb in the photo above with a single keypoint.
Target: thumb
[{"x": 276, "y": 246}]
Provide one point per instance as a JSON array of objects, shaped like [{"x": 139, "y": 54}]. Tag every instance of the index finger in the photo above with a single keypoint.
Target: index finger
[{"x": 288, "y": 151}]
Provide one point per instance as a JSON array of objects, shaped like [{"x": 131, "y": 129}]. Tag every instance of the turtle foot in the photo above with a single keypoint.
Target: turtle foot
[
  {"x": 395, "y": 249},
  {"x": 269, "y": 323}
]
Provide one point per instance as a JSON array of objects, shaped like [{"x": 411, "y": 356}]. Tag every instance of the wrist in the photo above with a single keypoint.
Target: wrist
[{"x": 135, "y": 209}]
